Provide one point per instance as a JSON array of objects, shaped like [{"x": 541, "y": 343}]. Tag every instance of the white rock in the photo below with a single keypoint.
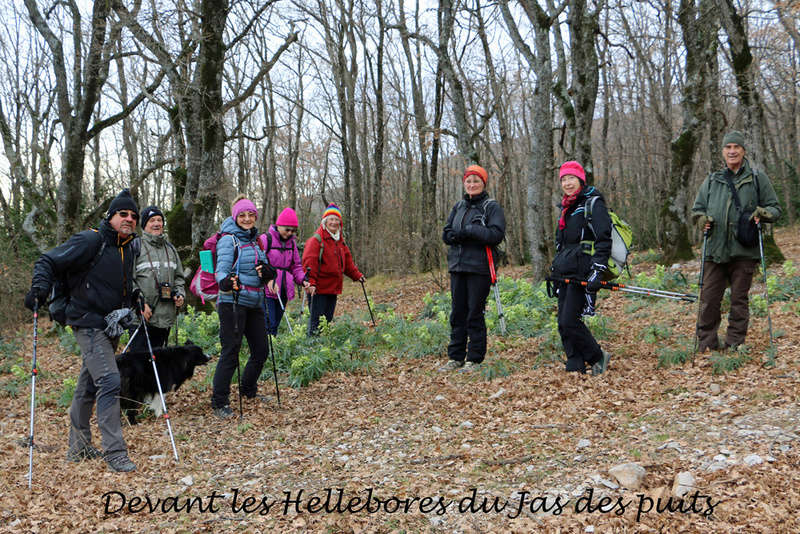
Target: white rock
[
  {"x": 771, "y": 459},
  {"x": 590, "y": 528},
  {"x": 726, "y": 452},
  {"x": 158, "y": 457},
  {"x": 720, "y": 458},
  {"x": 436, "y": 429},
  {"x": 436, "y": 521},
  {"x": 497, "y": 394},
  {"x": 753, "y": 459},
  {"x": 670, "y": 445},
  {"x": 439, "y": 398},
  {"x": 582, "y": 444},
  {"x": 629, "y": 475},
  {"x": 684, "y": 483},
  {"x": 607, "y": 483},
  {"x": 343, "y": 458},
  {"x": 467, "y": 424},
  {"x": 715, "y": 389},
  {"x": 716, "y": 466},
  {"x": 187, "y": 480}
]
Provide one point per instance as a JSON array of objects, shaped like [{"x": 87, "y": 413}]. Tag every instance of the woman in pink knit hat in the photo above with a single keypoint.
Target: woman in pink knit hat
[
  {"x": 582, "y": 252},
  {"x": 280, "y": 242}
]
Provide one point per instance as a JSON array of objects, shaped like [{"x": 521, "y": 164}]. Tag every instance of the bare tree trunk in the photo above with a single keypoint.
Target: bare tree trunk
[
  {"x": 540, "y": 164},
  {"x": 699, "y": 27}
]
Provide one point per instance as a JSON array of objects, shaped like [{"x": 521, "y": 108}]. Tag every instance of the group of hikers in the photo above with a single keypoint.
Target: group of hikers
[{"x": 107, "y": 269}]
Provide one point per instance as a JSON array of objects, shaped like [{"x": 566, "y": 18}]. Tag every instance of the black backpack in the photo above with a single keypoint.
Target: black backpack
[{"x": 59, "y": 293}]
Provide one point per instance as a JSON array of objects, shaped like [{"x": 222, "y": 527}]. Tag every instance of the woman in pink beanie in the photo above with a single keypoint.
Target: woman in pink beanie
[
  {"x": 582, "y": 252},
  {"x": 280, "y": 244}
]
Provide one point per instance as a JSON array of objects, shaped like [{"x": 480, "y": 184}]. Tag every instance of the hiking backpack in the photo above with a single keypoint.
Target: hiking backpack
[
  {"x": 204, "y": 283},
  {"x": 621, "y": 240},
  {"x": 59, "y": 294}
]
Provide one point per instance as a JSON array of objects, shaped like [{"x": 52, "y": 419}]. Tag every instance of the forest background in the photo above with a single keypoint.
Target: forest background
[{"x": 378, "y": 106}]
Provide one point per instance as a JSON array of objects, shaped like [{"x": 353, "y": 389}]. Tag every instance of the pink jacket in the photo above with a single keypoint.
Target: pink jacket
[{"x": 283, "y": 255}]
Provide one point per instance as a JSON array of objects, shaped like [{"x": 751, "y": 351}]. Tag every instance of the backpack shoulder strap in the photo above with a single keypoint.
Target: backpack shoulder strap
[
  {"x": 588, "y": 207},
  {"x": 321, "y": 246}
]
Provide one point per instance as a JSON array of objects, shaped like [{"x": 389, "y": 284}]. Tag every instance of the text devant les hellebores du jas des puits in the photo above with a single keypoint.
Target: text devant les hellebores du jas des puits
[{"x": 368, "y": 501}]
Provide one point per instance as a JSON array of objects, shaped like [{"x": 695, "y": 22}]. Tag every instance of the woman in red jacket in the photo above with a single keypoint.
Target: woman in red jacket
[{"x": 326, "y": 259}]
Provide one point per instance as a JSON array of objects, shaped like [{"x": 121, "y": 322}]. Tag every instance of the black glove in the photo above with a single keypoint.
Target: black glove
[
  {"x": 266, "y": 271},
  {"x": 36, "y": 296},
  {"x": 226, "y": 284},
  {"x": 588, "y": 305},
  {"x": 595, "y": 278},
  {"x": 464, "y": 233},
  {"x": 450, "y": 236}
]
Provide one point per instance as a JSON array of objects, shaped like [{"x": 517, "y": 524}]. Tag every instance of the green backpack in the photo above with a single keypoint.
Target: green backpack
[{"x": 621, "y": 240}]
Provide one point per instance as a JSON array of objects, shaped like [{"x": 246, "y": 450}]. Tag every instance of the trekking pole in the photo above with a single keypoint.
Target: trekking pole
[
  {"x": 177, "y": 324},
  {"x": 130, "y": 339},
  {"x": 271, "y": 352},
  {"x": 283, "y": 308},
  {"x": 632, "y": 289},
  {"x": 496, "y": 290},
  {"x": 160, "y": 391},
  {"x": 367, "y": 299},
  {"x": 700, "y": 292},
  {"x": 771, "y": 359},
  {"x": 34, "y": 372}
]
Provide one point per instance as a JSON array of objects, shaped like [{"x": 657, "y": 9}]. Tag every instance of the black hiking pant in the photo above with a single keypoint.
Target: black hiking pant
[
  {"x": 320, "y": 305},
  {"x": 579, "y": 344},
  {"x": 467, "y": 323},
  {"x": 248, "y": 322}
]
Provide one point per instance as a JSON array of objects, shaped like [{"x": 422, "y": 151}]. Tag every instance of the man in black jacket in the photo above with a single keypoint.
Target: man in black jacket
[{"x": 99, "y": 268}]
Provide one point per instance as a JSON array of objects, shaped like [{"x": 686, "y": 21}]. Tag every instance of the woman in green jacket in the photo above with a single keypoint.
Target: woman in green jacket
[
  {"x": 729, "y": 259},
  {"x": 159, "y": 275}
]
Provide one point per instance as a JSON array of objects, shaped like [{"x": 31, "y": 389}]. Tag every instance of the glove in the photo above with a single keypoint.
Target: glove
[
  {"x": 702, "y": 220},
  {"x": 595, "y": 278},
  {"x": 226, "y": 284},
  {"x": 762, "y": 213},
  {"x": 588, "y": 306},
  {"x": 450, "y": 236},
  {"x": 36, "y": 296},
  {"x": 266, "y": 271},
  {"x": 465, "y": 232}
]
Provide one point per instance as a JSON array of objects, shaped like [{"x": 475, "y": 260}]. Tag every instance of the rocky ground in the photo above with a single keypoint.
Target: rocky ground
[{"x": 405, "y": 448}]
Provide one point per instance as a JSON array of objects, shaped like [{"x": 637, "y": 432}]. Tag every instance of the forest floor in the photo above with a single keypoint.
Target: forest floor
[{"x": 434, "y": 452}]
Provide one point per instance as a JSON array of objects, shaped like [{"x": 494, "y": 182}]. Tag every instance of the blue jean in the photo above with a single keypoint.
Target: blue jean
[
  {"x": 98, "y": 381},
  {"x": 275, "y": 313}
]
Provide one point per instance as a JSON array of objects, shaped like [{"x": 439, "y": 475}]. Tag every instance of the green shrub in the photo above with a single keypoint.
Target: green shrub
[
  {"x": 67, "y": 391},
  {"x": 724, "y": 362},
  {"x": 496, "y": 368}
]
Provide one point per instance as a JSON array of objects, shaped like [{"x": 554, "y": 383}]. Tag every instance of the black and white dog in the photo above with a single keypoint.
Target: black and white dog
[{"x": 175, "y": 365}]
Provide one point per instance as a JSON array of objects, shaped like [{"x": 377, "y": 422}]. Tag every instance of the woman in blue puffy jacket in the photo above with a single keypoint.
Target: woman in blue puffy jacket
[{"x": 242, "y": 270}]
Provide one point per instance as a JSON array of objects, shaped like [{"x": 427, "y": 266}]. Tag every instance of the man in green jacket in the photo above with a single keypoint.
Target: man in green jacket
[
  {"x": 159, "y": 274},
  {"x": 728, "y": 261}
]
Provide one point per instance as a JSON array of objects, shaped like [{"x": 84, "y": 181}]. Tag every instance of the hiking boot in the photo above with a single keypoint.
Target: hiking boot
[
  {"x": 451, "y": 365},
  {"x": 600, "y": 366},
  {"x": 224, "y": 412},
  {"x": 121, "y": 463},
  {"x": 85, "y": 453},
  {"x": 469, "y": 366}
]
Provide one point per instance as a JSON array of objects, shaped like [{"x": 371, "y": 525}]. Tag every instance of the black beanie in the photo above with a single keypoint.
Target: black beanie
[
  {"x": 123, "y": 201},
  {"x": 151, "y": 211}
]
